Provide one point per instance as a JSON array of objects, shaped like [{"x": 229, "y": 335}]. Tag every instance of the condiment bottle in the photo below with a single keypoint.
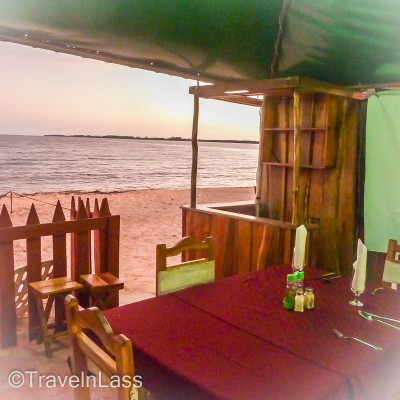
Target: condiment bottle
[
  {"x": 309, "y": 298},
  {"x": 291, "y": 287},
  {"x": 299, "y": 301}
]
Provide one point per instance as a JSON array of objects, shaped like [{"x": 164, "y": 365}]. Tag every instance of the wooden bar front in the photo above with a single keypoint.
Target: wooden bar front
[{"x": 238, "y": 234}]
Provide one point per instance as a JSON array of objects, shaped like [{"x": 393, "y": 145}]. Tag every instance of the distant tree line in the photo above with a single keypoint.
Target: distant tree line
[{"x": 172, "y": 138}]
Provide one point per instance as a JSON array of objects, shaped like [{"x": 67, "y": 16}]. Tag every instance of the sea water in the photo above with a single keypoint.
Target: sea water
[{"x": 30, "y": 164}]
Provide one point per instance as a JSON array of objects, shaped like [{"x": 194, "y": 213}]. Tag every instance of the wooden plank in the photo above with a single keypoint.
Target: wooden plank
[
  {"x": 73, "y": 235},
  {"x": 314, "y": 249},
  {"x": 262, "y": 156},
  {"x": 329, "y": 218},
  {"x": 289, "y": 196},
  {"x": 202, "y": 224},
  {"x": 268, "y": 249},
  {"x": 257, "y": 261},
  {"x": 243, "y": 246},
  {"x": 218, "y": 230},
  {"x": 230, "y": 266},
  {"x": 90, "y": 215},
  {"x": 59, "y": 265},
  {"x": 210, "y": 209},
  {"x": 195, "y": 151},
  {"x": 8, "y": 317},
  {"x": 33, "y": 267},
  {"x": 330, "y": 142},
  {"x": 81, "y": 252},
  {"x": 112, "y": 237},
  {"x": 347, "y": 189},
  {"x": 221, "y": 90},
  {"x": 306, "y": 154},
  {"x": 99, "y": 245},
  {"x": 296, "y": 158},
  {"x": 52, "y": 228},
  {"x": 315, "y": 197},
  {"x": 253, "y": 87},
  {"x": 287, "y": 244}
]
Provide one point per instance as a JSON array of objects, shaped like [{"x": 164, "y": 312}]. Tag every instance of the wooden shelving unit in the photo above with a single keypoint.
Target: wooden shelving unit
[{"x": 306, "y": 175}]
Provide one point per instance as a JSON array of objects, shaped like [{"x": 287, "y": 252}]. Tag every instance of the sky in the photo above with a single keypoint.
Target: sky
[{"x": 44, "y": 92}]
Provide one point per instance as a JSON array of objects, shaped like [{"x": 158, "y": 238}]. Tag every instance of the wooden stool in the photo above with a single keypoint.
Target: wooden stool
[
  {"x": 50, "y": 288},
  {"x": 101, "y": 286}
]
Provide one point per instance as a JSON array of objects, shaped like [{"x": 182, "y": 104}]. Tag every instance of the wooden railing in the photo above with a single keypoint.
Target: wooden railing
[{"x": 104, "y": 244}]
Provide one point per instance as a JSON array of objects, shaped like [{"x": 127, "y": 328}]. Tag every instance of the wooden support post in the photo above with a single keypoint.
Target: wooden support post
[
  {"x": 296, "y": 156},
  {"x": 195, "y": 150},
  {"x": 8, "y": 317},
  {"x": 260, "y": 162}
]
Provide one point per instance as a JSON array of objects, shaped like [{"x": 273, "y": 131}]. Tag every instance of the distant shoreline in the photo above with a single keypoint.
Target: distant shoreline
[{"x": 173, "y": 138}]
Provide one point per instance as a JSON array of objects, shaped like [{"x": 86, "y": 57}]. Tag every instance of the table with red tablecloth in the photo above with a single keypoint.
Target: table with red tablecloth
[{"x": 233, "y": 339}]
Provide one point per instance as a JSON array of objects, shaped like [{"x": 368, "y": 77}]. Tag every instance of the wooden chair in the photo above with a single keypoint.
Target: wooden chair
[
  {"x": 50, "y": 289},
  {"x": 111, "y": 353},
  {"x": 190, "y": 273},
  {"x": 391, "y": 270}
]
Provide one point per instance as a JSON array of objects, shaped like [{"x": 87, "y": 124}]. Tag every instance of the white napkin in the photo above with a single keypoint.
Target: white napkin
[
  {"x": 300, "y": 247},
  {"x": 360, "y": 268}
]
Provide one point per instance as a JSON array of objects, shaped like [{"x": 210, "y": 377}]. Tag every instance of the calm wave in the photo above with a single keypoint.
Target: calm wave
[{"x": 47, "y": 163}]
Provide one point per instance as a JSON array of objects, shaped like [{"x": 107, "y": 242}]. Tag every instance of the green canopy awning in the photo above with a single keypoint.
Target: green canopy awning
[{"x": 338, "y": 41}]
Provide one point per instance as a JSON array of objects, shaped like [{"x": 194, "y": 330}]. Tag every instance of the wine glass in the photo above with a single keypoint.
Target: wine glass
[{"x": 356, "y": 288}]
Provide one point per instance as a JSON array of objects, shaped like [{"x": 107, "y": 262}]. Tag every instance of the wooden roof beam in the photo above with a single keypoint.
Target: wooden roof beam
[{"x": 280, "y": 86}]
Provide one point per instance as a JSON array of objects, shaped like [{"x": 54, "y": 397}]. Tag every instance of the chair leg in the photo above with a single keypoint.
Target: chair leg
[{"x": 43, "y": 325}]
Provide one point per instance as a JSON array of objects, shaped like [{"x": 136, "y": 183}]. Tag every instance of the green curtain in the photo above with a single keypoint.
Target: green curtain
[{"x": 382, "y": 184}]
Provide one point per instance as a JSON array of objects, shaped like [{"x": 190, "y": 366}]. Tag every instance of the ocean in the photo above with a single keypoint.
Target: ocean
[{"x": 31, "y": 164}]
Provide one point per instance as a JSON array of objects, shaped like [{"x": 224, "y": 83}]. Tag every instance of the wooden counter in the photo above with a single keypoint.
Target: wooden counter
[{"x": 238, "y": 235}]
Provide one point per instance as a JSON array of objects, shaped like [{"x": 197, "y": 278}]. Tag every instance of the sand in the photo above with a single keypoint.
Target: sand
[{"x": 148, "y": 217}]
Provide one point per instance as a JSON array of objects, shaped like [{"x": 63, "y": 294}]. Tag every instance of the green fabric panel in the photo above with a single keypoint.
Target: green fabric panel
[
  {"x": 233, "y": 39},
  {"x": 342, "y": 41},
  {"x": 185, "y": 276},
  {"x": 337, "y": 41},
  {"x": 382, "y": 187}
]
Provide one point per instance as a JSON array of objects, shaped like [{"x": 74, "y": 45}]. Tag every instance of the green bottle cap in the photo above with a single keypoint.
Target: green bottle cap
[
  {"x": 292, "y": 277},
  {"x": 300, "y": 275}
]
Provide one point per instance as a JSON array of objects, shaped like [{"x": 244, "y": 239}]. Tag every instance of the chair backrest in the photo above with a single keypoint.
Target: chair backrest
[
  {"x": 113, "y": 358},
  {"x": 189, "y": 273},
  {"x": 391, "y": 270}
]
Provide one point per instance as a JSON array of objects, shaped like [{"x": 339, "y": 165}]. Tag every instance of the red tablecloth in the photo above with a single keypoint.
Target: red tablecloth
[{"x": 233, "y": 339}]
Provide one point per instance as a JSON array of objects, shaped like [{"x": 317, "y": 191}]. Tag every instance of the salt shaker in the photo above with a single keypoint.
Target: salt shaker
[
  {"x": 309, "y": 298},
  {"x": 299, "y": 301}
]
